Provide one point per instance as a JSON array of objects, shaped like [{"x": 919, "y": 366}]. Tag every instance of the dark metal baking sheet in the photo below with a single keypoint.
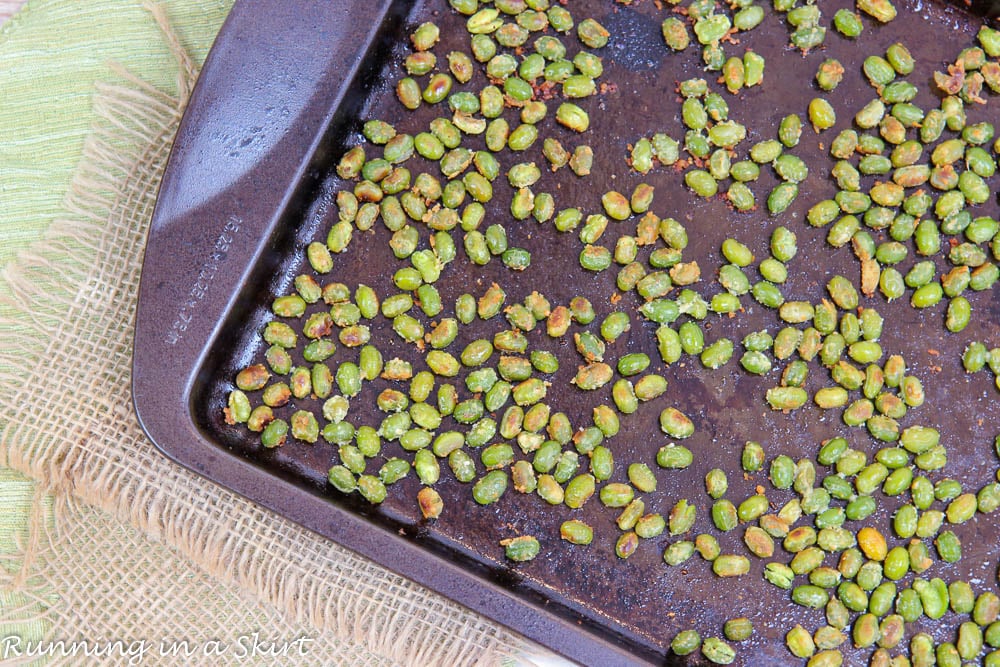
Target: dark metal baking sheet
[{"x": 249, "y": 183}]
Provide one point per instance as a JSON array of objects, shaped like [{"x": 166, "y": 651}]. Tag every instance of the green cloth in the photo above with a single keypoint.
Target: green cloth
[{"x": 72, "y": 45}]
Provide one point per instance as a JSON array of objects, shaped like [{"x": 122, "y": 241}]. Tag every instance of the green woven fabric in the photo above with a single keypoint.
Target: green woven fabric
[{"x": 51, "y": 54}]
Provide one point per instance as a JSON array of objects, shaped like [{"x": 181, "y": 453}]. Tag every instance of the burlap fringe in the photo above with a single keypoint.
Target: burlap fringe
[{"x": 133, "y": 126}]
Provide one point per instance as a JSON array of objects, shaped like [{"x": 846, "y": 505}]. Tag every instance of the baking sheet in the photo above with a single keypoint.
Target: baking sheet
[{"x": 594, "y": 600}]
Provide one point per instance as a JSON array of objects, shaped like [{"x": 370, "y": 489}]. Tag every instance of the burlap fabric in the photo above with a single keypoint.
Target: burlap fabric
[{"x": 124, "y": 545}]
